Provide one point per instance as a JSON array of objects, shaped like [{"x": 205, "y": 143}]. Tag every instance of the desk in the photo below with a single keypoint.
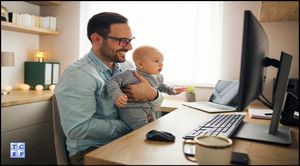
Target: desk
[
  {"x": 135, "y": 149},
  {"x": 17, "y": 97}
]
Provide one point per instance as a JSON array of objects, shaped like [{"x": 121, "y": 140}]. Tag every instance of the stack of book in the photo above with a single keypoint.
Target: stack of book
[{"x": 45, "y": 22}]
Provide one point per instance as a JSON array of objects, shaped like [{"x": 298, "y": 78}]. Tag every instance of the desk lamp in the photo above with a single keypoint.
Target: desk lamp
[{"x": 7, "y": 59}]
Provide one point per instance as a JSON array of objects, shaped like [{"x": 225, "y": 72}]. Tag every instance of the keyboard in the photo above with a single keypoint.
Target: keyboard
[{"x": 222, "y": 125}]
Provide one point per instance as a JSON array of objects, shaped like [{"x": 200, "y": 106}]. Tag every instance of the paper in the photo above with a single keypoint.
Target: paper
[{"x": 260, "y": 113}]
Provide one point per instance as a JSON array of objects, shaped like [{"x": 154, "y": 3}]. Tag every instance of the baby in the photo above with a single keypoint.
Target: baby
[{"x": 149, "y": 63}]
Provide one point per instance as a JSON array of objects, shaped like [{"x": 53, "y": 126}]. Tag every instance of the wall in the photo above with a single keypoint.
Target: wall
[
  {"x": 65, "y": 47},
  {"x": 283, "y": 36}
]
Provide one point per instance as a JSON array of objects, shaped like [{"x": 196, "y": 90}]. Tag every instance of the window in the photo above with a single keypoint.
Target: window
[{"x": 187, "y": 33}]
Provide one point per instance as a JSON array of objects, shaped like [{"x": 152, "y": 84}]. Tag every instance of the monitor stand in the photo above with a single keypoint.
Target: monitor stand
[{"x": 260, "y": 132}]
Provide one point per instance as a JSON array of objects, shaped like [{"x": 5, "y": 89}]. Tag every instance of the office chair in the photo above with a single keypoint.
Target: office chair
[{"x": 59, "y": 136}]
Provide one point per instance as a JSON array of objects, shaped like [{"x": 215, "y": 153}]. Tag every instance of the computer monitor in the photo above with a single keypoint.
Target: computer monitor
[
  {"x": 255, "y": 50},
  {"x": 253, "y": 73}
]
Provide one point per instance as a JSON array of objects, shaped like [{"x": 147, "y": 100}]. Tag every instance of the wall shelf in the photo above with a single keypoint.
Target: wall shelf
[
  {"x": 44, "y": 3},
  {"x": 26, "y": 29},
  {"x": 29, "y": 29}
]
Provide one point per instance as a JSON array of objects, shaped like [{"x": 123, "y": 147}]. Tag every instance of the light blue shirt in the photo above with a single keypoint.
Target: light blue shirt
[{"x": 89, "y": 116}]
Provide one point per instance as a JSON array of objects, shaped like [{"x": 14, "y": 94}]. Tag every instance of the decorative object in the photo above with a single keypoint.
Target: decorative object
[
  {"x": 24, "y": 86},
  {"x": 190, "y": 95},
  {"x": 51, "y": 87},
  {"x": 7, "y": 88},
  {"x": 39, "y": 87},
  {"x": 39, "y": 55},
  {"x": 4, "y": 14},
  {"x": 7, "y": 59}
]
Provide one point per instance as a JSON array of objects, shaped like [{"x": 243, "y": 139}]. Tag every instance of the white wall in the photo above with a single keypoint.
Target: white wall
[{"x": 283, "y": 36}]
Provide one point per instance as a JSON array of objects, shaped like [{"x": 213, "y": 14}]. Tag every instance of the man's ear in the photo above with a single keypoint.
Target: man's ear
[
  {"x": 96, "y": 39},
  {"x": 139, "y": 64}
]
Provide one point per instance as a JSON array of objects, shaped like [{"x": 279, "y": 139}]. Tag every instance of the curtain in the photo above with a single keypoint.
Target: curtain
[{"x": 188, "y": 34}]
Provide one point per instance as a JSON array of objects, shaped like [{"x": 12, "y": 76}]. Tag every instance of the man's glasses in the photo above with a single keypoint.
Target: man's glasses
[{"x": 122, "y": 41}]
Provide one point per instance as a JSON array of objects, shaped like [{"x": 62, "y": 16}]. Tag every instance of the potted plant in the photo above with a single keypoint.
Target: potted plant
[{"x": 190, "y": 95}]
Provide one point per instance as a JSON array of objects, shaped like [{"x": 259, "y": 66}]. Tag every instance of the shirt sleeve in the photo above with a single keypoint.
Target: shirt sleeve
[
  {"x": 114, "y": 86},
  {"x": 164, "y": 87},
  {"x": 157, "y": 102}
]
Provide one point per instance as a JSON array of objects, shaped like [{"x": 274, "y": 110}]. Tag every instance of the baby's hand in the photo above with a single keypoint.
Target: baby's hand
[
  {"x": 121, "y": 101},
  {"x": 179, "y": 90},
  {"x": 150, "y": 118}
]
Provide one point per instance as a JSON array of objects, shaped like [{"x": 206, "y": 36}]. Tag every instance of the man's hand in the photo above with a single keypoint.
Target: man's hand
[{"x": 141, "y": 91}]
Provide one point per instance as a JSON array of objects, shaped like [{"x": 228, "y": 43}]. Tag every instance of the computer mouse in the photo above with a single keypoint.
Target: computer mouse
[{"x": 157, "y": 135}]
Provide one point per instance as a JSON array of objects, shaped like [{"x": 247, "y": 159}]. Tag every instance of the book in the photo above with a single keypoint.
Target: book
[{"x": 260, "y": 113}]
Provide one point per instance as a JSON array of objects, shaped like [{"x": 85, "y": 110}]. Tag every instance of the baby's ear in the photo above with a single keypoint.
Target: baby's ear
[{"x": 139, "y": 64}]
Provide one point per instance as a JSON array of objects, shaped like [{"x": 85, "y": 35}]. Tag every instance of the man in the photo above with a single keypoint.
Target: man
[{"x": 89, "y": 117}]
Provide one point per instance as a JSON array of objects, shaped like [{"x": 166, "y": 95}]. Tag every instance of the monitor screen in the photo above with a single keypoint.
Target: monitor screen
[
  {"x": 255, "y": 50},
  {"x": 253, "y": 72}
]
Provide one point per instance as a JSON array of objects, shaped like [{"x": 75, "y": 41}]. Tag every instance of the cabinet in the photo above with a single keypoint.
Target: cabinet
[
  {"x": 30, "y": 123},
  {"x": 28, "y": 29}
]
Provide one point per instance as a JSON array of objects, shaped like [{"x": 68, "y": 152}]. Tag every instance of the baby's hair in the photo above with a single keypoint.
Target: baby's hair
[{"x": 142, "y": 51}]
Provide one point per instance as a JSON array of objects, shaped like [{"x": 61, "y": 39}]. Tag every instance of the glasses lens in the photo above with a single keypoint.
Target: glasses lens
[{"x": 124, "y": 42}]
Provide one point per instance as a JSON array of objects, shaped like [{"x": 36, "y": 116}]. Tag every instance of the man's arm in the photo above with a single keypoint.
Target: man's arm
[{"x": 77, "y": 104}]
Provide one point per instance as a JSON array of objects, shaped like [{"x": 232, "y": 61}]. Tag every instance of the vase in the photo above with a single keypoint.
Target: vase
[{"x": 190, "y": 97}]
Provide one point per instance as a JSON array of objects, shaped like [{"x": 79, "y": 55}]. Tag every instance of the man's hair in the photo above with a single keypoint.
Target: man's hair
[{"x": 100, "y": 23}]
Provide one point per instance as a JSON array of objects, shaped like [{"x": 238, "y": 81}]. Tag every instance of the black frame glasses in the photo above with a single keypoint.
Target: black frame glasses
[{"x": 122, "y": 41}]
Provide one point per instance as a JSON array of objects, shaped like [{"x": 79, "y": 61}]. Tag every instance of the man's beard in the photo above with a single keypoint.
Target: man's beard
[{"x": 109, "y": 53}]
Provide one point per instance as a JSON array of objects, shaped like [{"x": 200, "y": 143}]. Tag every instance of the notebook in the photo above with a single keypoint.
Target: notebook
[
  {"x": 260, "y": 113},
  {"x": 222, "y": 99}
]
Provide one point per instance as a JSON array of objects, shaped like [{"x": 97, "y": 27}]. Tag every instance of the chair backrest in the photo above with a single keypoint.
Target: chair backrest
[{"x": 59, "y": 136}]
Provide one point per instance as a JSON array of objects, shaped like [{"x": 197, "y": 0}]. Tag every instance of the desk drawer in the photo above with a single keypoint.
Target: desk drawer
[
  {"x": 18, "y": 116},
  {"x": 40, "y": 155},
  {"x": 32, "y": 136}
]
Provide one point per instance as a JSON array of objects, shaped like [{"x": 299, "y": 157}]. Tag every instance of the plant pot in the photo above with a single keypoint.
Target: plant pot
[{"x": 190, "y": 97}]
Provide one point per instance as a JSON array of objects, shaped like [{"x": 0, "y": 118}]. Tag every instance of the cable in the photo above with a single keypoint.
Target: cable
[
  {"x": 265, "y": 103},
  {"x": 267, "y": 99},
  {"x": 293, "y": 95}
]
